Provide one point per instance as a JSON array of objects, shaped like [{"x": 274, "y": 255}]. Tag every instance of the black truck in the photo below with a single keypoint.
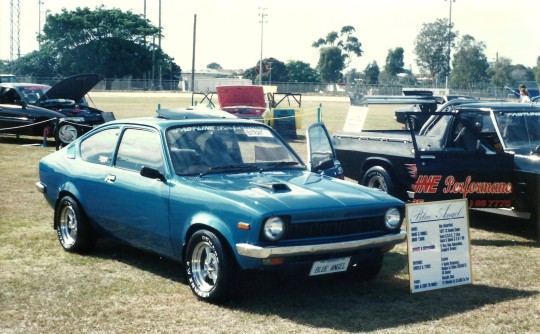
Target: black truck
[{"x": 488, "y": 153}]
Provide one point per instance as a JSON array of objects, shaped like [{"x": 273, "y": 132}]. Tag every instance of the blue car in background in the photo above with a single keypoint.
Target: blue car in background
[{"x": 218, "y": 194}]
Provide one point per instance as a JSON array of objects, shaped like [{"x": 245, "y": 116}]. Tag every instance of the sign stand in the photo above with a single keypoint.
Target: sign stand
[{"x": 438, "y": 245}]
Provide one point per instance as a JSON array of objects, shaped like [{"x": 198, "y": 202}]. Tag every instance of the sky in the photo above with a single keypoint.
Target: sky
[{"x": 229, "y": 32}]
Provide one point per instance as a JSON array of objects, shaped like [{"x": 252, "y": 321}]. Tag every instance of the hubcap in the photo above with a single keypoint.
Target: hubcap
[
  {"x": 67, "y": 133},
  {"x": 68, "y": 225},
  {"x": 205, "y": 266},
  {"x": 378, "y": 182}
]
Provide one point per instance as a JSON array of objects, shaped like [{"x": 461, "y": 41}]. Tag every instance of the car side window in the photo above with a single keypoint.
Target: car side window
[
  {"x": 99, "y": 148},
  {"x": 140, "y": 148},
  {"x": 9, "y": 96}
]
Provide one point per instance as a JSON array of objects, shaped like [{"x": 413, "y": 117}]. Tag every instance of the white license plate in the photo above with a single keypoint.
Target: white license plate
[{"x": 329, "y": 266}]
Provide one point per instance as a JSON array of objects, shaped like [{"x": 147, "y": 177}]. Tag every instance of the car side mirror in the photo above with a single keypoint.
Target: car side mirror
[
  {"x": 326, "y": 164},
  {"x": 152, "y": 173}
]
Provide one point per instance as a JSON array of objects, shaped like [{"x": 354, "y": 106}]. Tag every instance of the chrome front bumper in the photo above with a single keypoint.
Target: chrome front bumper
[{"x": 271, "y": 252}]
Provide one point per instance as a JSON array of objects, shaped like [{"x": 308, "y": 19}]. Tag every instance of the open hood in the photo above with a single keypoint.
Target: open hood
[
  {"x": 73, "y": 88},
  {"x": 233, "y": 96}
]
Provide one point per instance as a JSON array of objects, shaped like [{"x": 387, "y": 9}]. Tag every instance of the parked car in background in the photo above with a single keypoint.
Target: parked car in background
[
  {"x": 27, "y": 120},
  {"x": 243, "y": 101},
  {"x": 487, "y": 152},
  {"x": 219, "y": 195},
  {"x": 73, "y": 114},
  {"x": 8, "y": 78}
]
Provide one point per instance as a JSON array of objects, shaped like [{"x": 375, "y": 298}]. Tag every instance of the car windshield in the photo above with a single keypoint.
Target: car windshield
[
  {"x": 208, "y": 149},
  {"x": 520, "y": 131},
  {"x": 33, "y": 93}
]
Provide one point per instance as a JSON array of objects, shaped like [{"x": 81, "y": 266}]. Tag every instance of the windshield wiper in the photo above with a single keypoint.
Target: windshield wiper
[
  {"x": 229, "y": 168},
  {"x": 280, "y": 164}
]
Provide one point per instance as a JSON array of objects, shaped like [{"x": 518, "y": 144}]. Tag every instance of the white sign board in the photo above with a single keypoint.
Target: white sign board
[
  {"x": 438, "y": 245},
  {"x": 356, "y": 117}
]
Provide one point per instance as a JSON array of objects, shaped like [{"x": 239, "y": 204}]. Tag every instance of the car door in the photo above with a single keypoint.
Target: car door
[
  {"x": 465, "y": 165},
  {"x": 127, "y": 205},
  {"x": 321, "y": 153}
]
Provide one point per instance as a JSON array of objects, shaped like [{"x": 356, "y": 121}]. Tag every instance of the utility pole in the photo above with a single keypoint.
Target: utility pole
[
  {"x": 449, "y": 40},
  {"x": 262, "y": 14}
]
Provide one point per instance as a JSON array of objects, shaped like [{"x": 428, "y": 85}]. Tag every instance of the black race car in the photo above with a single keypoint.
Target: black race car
[{"x": 60, "y": 110}]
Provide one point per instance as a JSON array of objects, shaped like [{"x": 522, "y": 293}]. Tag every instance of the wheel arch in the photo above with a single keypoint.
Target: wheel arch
[{"x": 377, "y": 161}]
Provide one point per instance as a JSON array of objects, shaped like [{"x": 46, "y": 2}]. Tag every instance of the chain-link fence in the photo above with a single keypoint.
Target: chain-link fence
[{"x": 308, "y": 88}]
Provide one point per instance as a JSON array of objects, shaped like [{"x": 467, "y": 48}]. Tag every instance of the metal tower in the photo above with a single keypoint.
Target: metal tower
[{"x": 14, "y": 38}]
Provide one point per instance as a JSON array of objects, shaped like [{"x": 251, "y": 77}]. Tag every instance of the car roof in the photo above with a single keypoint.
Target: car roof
[
  {"x": 21, "y": 84},
  {"x": 184, "y": 116},
  {"x": 499, "y": 107}
]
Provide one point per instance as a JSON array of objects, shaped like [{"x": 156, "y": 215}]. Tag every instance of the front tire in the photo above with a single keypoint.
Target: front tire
[
  {"x": 210, "y": 270},
  {"x": 378, "y": 178},
  {"x": 73, "y": 229}
]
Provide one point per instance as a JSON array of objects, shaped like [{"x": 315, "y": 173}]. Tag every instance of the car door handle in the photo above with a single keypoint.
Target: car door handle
[
  {"x": 427, "y": 157},
  {"x": 110, "y": 178}
]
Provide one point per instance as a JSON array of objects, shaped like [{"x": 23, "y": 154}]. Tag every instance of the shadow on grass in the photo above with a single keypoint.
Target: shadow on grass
[
  {"x": 158, "y": 265},
  {"x": 511, "y": 226},
  {"x": 343, "y": 304},
  {"x": 25, "y": 140},
  {"x": 332, "y": 302}
]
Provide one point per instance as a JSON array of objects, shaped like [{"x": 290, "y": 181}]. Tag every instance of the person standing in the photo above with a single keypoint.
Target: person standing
[{"x": 524, "y": 94}]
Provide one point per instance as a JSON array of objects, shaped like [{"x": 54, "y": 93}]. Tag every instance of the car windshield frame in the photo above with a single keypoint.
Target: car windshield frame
[
  {"x": 32, "y": 93},
  {"x": 228, "y": 149}
]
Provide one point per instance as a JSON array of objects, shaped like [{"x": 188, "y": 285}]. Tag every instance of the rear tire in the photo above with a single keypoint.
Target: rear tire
[
  {"x": 378, "y": 178},
  {"x": 72, "y": 227}
]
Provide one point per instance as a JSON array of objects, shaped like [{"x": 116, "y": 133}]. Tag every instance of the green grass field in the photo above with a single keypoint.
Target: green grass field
[{"x": 118, "y": 289}]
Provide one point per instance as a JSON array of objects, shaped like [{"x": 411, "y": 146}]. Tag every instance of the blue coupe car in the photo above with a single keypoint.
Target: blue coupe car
[{"x": 218, "y": 194}]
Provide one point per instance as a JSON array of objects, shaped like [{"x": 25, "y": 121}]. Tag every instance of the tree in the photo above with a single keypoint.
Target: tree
[
  {"x": 352, "y": 77},
  {"x": 394, "y": 62},
  {"x": 521, "y": 73},
  {"x": 273, "y": 70},
  {"x": 470, "y": 63},
  {"x": 38, "y": 64},
  {"x": 250, "y": 73},
  {"x": 331, "y": 63},
  {"x": 372, "y": 72},
  {"x": 335, "y": 53},
  {"x": 214, "y": 66},
  {"x": 300, "y": 71},
  {"x": 107, "y": 41},
  {"x": 537, "y": 69},
  {"x": 432, "y": 49},
  {"x": 501, "y": 72}
]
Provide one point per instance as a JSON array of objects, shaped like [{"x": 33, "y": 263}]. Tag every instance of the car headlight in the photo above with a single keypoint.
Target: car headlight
[
  {"x": 392, "y": 218},
  {"x": 274, "y": 228}
]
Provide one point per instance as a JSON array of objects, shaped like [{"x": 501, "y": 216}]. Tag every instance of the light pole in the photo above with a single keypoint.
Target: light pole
[
  {"x": 270, "y": 73},
  {"x": 449, "y": 40},
  {"x": 262, "y": 14}
]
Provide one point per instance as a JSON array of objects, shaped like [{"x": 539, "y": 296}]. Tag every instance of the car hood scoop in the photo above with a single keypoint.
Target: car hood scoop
[{"x": 272, "y": 186}]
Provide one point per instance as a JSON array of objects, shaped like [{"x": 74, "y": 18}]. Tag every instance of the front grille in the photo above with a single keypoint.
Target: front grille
[{"x": 334, "y": 228}]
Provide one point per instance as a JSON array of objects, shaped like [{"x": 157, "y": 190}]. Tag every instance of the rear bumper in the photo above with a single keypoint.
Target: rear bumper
[
  {"x": 346, "y": 246},
  {"x": 40, "y": 187}
]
